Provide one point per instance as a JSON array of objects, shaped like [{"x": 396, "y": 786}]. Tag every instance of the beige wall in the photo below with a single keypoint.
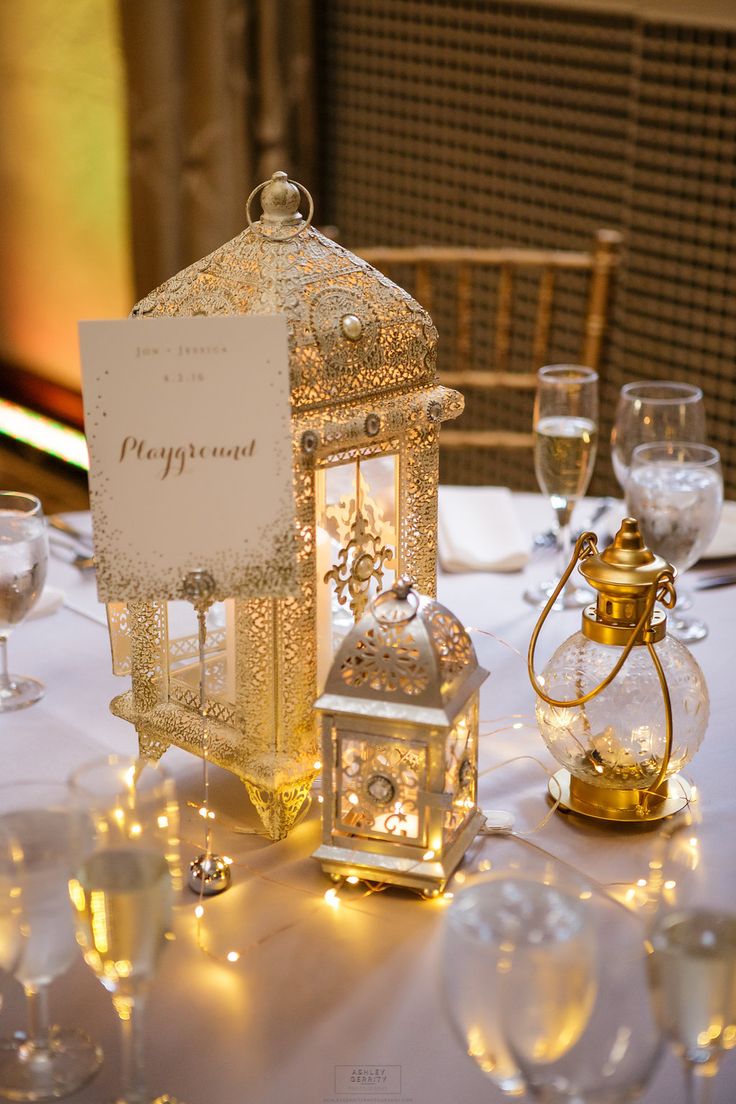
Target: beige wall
[{"x": 63, "y": 218}]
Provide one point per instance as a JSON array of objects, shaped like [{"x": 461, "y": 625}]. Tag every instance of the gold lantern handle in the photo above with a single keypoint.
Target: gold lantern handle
[{"x": 660, "y": 590}]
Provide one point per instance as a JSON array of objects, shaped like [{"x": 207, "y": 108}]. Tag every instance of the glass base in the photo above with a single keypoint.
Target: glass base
[
  {"x": 572, "y": 597},
  {"x": 29, "y": 1072},
  {"x": 21, "y": 693},
  {"x": 688, "y": 630}
]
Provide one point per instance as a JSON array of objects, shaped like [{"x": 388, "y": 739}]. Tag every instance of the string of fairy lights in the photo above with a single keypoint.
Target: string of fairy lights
[{"x": 356, "y": 888}]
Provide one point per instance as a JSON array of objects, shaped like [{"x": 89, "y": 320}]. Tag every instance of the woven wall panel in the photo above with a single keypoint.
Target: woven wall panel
[
  {"x": 478, "y": 123},
  {"x": 677, "y": 317}
]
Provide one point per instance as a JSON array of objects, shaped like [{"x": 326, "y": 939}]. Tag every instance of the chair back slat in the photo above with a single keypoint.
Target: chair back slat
[
  {"x": 423, "y": 287},
  {"x": 503, "y": 317},
  {"x": 464, "y": 318},
  {"x": 543, "y": 320}
]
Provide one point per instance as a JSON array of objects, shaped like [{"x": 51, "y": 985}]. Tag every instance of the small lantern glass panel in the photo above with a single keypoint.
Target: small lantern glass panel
[{"x": 400, "y": 744}]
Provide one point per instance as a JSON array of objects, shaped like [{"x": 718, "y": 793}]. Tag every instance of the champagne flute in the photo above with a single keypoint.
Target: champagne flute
[
  {"x": 654, "y": 410},
  {"x": 565, "y": 439},
  {"x": 23, "y": 561},
  {"x": 675, "y": 490},
  {"x": 693, "y": 949},
  {"x": 123, "y": 890},
  {"x": 38, "y": 940}
]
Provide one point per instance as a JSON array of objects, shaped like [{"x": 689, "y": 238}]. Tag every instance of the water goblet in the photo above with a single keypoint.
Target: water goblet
[
  {"x": 38, "y": 940},
  {"x": 675, "y": 491},
  {"x": 580, "y": 1033},
  {"x": 693, "y": 949},
  {"x": 652, "y": 410},
  {"x": 557, "y": 989},
  {"x": 123, "y": 889},
  {"x": 565, "y": 438},
  {"x": 23, "y": 562}
]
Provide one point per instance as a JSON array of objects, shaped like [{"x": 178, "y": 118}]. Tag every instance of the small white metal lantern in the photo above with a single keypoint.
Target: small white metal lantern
[{"x": 400, "y": 744}]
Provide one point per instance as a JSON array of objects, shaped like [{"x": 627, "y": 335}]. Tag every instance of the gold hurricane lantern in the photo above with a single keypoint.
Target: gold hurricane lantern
[
  {"x": 366, "y": 414},
  {"x": 621, "y": 705}
]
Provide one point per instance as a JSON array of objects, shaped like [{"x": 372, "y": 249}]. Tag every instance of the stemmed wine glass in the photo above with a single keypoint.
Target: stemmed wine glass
[
  {"x": 693, "y": 949},
  {"x": 675, "y": 491},
  {"x": 23, "y": 562},
  {"x": 559, "y": 978},
  {"x": 650, "y": 411},
  {"x": 123, "y": 890},
  {"x": 565, "y": 440},
  {"x": 38, "y": 942}
]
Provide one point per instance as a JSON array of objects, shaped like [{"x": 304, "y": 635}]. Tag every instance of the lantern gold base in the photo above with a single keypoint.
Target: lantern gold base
[
  {"x": 277, "y": 788},
  {"x": 629, "y": 806},
  {"x": 427, "y": 875}
]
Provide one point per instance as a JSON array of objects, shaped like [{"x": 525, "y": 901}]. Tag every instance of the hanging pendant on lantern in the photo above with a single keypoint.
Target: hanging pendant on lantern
[
  {"x": 621, "y": 705},
  {"x": 400, "y": 745},
  {"x": 366, "y": 413}
]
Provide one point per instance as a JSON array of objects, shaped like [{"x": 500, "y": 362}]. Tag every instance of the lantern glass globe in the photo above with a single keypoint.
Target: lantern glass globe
[{"x": 618, "y": 738}]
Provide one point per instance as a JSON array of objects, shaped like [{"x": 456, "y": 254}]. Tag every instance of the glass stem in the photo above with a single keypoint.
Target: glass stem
[
  {"x": 37, "y": 1005},
  {"x": 699, "y": 1084},
  {"x": 563, "y": 513},
  {"x": 4, "y": 676},
  {"x": 133, "y": 1083}
]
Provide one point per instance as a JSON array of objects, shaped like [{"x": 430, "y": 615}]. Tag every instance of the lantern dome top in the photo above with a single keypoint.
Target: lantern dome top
[
  {"x": 353, "y": 333},
  {"x": 626, "y": 561},
  {"x": 407, "y": 658}
]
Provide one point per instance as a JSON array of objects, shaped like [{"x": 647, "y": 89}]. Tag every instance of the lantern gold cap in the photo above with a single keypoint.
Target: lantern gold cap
[{"x": 626, "y": 564}]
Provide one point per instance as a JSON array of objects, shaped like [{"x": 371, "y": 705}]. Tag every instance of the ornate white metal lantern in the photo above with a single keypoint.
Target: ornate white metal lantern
[
  {"x": 400, "y": 744},
  {"x": 366, "y": 414}
]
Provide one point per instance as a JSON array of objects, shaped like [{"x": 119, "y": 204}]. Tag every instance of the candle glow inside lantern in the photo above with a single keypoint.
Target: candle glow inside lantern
[
  {"x": 621, "y": 705},
  {"x": 366, "y": 414},
  {"x": 400, "y": 744}
]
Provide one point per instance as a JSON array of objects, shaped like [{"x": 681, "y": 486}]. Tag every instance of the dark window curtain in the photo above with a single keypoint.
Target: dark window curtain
[{"x": 220, "y": 94}]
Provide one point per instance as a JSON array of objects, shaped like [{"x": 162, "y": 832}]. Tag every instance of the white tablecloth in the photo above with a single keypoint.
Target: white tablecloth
[{"x": 326, "y": 987}]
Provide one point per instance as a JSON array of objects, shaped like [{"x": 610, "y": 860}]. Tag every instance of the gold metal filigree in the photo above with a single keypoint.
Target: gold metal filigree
[{"x": 359, "y": 563}]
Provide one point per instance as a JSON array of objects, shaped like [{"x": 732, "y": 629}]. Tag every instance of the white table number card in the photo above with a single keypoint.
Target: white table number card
[{"x": 189, "y": 432}]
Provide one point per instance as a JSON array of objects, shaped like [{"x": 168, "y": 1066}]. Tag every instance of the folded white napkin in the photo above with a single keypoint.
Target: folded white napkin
[
  {"x": 479, "y": 530},
  {"x": 50, "y": 601}
]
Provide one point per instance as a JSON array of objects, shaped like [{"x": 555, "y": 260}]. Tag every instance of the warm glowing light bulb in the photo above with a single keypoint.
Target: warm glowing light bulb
[
  {"x": 199, "y": 912},
  {"x": 332, "y": 898},
  {"x": 428, "y": 855},
  {"x": 232, "y": 956},
  {"x": 353, "y": 799},
  {"x": 352, "y": 879}
]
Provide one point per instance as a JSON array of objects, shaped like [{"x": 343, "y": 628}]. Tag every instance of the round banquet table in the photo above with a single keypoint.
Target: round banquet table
[{"x": 316, "y": 987}]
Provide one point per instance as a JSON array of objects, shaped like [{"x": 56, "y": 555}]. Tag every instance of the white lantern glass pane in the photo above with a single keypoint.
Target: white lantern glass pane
[
  {"x": 379, "y": 783},
  {"x": 184, "y": 651},
  {"x": 461, "y": 759},
  {"x": 357, "y": 540}
]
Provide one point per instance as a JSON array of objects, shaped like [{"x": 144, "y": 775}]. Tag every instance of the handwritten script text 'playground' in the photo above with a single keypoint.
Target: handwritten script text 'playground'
[{"x": 175, "y": 460}]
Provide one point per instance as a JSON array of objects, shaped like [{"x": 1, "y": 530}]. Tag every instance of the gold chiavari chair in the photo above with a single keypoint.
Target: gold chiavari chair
[{"x": 459, "y": 367}]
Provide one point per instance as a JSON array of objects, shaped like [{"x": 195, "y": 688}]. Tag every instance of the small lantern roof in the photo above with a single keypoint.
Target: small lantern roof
[
  {"x": 408, "y": 658},
  {"x": 353, "y": 333}
]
